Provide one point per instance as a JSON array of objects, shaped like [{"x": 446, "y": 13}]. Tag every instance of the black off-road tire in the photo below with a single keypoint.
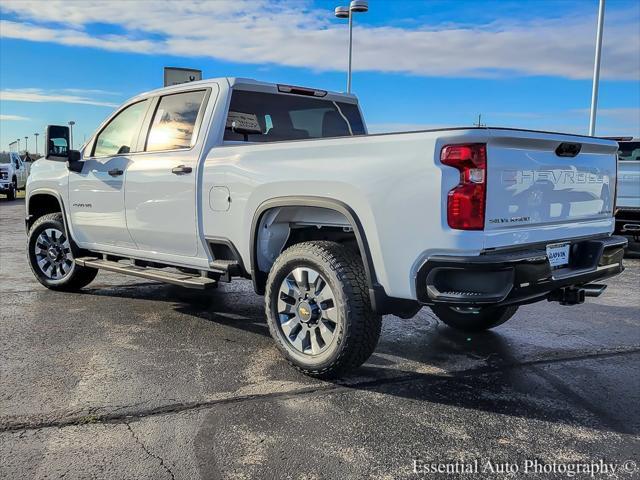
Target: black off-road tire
[
  {"x": 77, "y": 277},
  {"x": 358, "y": 330},
  {"x": 13, "y": 190},
  {"x": 478, "y": 320}
]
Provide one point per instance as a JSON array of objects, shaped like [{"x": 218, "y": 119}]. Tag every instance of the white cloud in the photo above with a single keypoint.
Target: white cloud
[
  {"x": 90, "y": 91},
  {"x": 36, "y": 95},
  {"x": 12, "y": 118},
  {"x": 263, "y": 32}
]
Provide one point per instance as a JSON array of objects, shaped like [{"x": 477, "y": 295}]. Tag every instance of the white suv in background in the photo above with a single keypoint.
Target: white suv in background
[{"x": 13, "y": 175}]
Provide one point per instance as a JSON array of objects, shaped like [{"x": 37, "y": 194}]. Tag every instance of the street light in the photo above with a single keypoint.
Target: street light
[
  {"x": 71, "y": 124},
  {"x": 26, "y": 144},
  {"x": 356, "y": 6},
  {"x": 596, "y": 71},
  {"x": 36, "y": 135},
  {"x": 18, "y": 145}
]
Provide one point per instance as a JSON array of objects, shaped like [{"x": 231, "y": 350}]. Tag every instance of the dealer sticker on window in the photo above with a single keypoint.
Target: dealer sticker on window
[
  {"x": 558, "y": 254},
  {"x": 243, "y": 122}
]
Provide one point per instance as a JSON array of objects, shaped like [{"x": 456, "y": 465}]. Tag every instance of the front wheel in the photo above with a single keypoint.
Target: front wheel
[
  {"x": 51, "y": 257},
  {"x": 318, "y": 309},
  {"x": 11, "y": 194},
  {"x": 473, "y": 319}
]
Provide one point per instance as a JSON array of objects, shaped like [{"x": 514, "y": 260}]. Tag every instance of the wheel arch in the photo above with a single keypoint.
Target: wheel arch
[
  {"x": 259, "y": 277},
  {"x": 42, "y": 202}
]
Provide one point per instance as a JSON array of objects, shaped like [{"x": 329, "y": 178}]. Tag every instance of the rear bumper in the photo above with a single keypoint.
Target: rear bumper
[{"x": 516, "y": 277}]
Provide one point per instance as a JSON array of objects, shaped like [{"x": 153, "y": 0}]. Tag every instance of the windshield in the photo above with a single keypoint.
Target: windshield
[
  {"x": 4, "y": 160},
  {"x": 629, "y": 151},
  {"x": 269, "y": 117}
]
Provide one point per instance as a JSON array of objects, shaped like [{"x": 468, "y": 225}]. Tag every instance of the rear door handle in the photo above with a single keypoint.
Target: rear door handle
[
  {"x": 181, "y": 170},
  {"x": 115, "y": 172}
]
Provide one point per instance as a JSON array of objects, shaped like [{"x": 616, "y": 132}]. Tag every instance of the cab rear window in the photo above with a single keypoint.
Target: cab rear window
[
  {"x": 268, "y": 117},
  {"x": 629, "y": 151}
]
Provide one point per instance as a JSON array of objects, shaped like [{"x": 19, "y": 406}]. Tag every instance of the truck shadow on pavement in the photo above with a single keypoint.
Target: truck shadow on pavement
[{"x": 436, "y": 365}]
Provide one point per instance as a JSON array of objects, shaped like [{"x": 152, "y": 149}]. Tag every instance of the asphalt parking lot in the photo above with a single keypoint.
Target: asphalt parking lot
[{"x": 133, "y": 379}]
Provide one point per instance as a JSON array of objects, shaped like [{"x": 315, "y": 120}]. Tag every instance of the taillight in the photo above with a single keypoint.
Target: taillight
[{"x": 466, "y": 201}]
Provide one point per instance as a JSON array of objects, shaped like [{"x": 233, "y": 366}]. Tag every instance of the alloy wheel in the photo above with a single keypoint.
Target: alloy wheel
[
  {"x": 307, "y": 311},
  {"x": 53, "y": 254}
]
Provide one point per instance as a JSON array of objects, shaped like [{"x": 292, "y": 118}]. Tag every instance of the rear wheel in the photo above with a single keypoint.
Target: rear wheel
[
  {"x": 473, "y": 319},
  {"x": 51, "y": 259},
  {"x": 318, "y": 309}
]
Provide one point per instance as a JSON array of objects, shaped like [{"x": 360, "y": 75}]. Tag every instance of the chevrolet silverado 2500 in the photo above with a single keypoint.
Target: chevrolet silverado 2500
[{"x": 198, "y": 183}]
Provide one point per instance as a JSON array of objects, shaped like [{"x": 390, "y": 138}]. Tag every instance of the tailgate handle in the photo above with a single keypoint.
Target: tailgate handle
[{"x": 568, "y": 149}]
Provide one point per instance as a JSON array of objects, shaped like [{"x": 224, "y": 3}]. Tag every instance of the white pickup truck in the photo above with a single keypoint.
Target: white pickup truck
[
  {"x": 13, "y": 175},
  {"x": 198, "y": 183},
  {"x": 628, "y": 198}
]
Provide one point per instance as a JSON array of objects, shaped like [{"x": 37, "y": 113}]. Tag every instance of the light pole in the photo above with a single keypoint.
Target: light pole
[
  {"x": 18, "y": 145},
  {"x": 596, "y": 71},
  {"x": 71, "y": 124},
  {"x": 26, "y": 144},
  {"x": 36, "y": 135},
  {"x": 356, "y": 6}
]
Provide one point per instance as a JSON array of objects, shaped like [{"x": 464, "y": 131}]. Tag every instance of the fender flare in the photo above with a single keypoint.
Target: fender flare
[
  {"x": 259, "y": 278},
  {"x": 52, "y": 193}
]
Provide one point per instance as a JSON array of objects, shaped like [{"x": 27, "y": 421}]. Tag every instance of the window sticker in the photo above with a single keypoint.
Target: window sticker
[{"x": 244, "y": 122}]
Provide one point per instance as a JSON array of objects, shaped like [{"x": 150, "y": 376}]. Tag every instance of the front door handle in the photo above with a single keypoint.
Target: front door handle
[
  {"x": 181, "y": 170},
  {"x": 115, "y": 172}
]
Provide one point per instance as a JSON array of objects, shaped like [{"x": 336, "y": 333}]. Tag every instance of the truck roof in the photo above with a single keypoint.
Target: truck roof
[{"x": 254, "y": 85}]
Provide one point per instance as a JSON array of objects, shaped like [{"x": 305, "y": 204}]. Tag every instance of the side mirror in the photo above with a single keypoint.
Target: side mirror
[{"x": 57, "y": 142}]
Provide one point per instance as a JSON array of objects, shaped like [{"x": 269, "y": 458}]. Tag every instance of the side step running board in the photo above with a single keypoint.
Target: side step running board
[{"x": 175, "y": 278}]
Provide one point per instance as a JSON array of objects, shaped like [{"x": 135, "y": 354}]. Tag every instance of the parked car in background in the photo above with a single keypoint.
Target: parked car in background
[
  {"x": 13, "y": 175},
  {"x": 195, "y": 184},
  {"x": 628, "y": 195}
]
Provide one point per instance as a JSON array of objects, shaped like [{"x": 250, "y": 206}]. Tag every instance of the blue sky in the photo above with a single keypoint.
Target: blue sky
[{"x": 418, "y": 64}]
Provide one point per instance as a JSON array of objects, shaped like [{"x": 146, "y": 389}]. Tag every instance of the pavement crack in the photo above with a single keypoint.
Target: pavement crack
[
  {"x": 125, "y": 416},
  {"x": 149, "y": 452}
]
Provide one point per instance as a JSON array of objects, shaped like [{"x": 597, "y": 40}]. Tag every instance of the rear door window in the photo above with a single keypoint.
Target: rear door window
[
  {"x": 269, "y": 117},
  {"x": 174, "y": 121}
]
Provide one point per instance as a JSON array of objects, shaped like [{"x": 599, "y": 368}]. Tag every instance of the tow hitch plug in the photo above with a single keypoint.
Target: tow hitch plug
[{"x": 575, "y": 295}]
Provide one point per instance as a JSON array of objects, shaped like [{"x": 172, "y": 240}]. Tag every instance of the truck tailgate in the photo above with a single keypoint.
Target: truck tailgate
[{"x": 537, "y": 182}]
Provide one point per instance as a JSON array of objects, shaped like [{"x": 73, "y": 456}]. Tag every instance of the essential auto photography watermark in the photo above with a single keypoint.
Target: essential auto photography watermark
[{"x": 592, "y": 469}]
